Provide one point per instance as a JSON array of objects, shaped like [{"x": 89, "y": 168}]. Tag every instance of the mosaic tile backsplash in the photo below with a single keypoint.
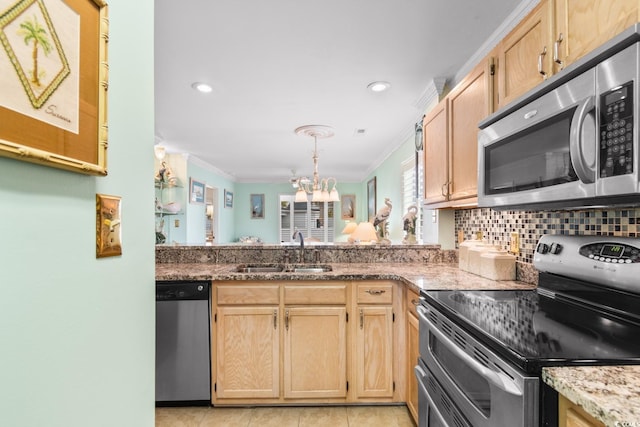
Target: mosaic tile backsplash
[{"x": 497, "y": 226}]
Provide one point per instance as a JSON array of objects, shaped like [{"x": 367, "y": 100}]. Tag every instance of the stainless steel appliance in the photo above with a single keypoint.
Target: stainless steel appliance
[
  {"x": 482, "y": 352},
  {"x": 183, "y": 344},
  {"x": 573, "y": 141}
]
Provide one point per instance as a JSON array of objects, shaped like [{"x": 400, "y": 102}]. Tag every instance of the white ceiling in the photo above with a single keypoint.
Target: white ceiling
[{"x": 280, "y": 64}]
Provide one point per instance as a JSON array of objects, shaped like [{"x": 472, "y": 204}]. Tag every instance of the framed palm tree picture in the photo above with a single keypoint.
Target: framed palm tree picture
[{"x": 54, "y": 83}]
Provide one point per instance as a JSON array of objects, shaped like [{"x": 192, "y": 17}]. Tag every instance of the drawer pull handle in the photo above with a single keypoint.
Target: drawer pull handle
[
  {"x": 375, "y": 291},
  {"x": 275, "y": 319},
  {"x": 361, "y": 319},
  {"x": 286, "y": 320},
  {"x": 415, "y": 302}
]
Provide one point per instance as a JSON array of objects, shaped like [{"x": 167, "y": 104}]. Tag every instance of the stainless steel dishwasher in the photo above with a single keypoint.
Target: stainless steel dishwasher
[{"x": 183, "y": 360}]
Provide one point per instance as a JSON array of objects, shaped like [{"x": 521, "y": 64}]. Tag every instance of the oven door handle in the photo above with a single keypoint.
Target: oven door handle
[
  {"x": 581, "y": 166},
  {"x": 499, "y": 380},
  {"x": 420, "y": 373}
]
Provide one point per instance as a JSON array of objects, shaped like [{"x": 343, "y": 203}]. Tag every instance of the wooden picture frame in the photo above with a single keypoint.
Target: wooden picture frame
[
  {"x": 55, "y": 114},
  {"x": 256, "y": 206},
  {"x": 348, "y": 207},
  {"x": 108, "y": 226},
  {"x": 371, "y": 198},
  {"x": 196, "y": 192},
  {"x": 228, "y": 199}
]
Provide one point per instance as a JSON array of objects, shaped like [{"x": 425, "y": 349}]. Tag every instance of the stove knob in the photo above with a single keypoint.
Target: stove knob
[
  {"x": 555, "y": 248},
  {"x": 542, "y": 248}
]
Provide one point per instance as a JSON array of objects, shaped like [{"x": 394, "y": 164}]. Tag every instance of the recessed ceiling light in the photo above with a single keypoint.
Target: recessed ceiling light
[
  {"x": 378, "y": 86},
  {"x": 202, "y": 87}
]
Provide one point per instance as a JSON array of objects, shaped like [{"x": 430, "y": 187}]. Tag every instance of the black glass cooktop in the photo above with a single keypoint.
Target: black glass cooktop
[{"x": 564, "y": 322}]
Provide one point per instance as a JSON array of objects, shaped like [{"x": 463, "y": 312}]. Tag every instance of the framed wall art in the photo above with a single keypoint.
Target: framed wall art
[
  {"x": 257, "y": 206},
  {"x": 371, "y": 198},
  {"x": 228, "y": 199},
  {"x": 53, "y": 107},
  {"x": 348, "y": 206},
  {"x": 108, "y": 226},
  {"x": 196, "y": 192}
]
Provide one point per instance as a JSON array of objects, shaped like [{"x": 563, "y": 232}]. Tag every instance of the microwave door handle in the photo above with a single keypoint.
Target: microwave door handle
[
  {"x": 495, "y": 378},
  {"x": 586, "y": 173},
  {"x": 420, "y": 373}
]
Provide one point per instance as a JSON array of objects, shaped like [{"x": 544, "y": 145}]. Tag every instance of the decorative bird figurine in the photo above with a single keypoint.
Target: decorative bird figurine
[{"x": 383, "y": 213}]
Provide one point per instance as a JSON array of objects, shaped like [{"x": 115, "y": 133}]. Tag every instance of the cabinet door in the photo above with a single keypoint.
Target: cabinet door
[
  {"x": 413, "y": 352},
  {"x": 469, "y": 103},
  {"x": 435, "y": 133},
  {"x": 520, "y": 51},
  {"x": 583, "y": 25},
  {"x": 247, "y": 352},
  {"x": 315, "y": 352},
  {"x": 572, "y": 415},
  {"x": 374, "y": 352}
]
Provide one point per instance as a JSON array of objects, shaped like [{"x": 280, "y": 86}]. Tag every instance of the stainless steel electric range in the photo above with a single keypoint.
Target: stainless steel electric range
[{"x": 482, "y": 352}]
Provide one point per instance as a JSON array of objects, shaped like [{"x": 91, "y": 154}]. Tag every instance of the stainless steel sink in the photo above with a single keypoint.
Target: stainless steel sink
[
  {"x": 295, "y": 268},
  {"x": 260, "y": 269},
  {"x": 310, "y": 268}
]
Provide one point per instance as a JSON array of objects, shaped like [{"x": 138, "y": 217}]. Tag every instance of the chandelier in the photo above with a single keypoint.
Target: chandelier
[{"x": 316, "y": 187}]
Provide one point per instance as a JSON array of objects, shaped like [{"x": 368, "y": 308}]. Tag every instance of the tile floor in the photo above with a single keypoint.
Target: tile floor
[{"x": 324, "y": 416}]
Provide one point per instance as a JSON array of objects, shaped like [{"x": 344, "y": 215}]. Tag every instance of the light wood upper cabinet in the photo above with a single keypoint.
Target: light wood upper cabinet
[
  {"x": 525, "y": 54},
  {"x": 554, "y": 35},
  {"x": 469, "y": 102},
  {"x": 247, "y": 352},
  {"x": 583, "y": 25},
  {"x": 450, "y": 134},
  {"x": 435, "y": 132},
  {"x": 315, "y": 352}
]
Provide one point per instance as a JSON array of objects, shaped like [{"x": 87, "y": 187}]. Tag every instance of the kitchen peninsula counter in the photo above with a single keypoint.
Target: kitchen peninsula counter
[
  {"x": 429, "y": 276},
  {"x": 611, "y": 394}
]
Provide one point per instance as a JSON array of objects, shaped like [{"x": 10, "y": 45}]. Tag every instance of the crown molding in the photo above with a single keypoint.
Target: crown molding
[{"x": 201, "y": 163}]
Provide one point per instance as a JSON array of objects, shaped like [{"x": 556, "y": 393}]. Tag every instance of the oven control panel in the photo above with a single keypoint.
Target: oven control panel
[
  {"x": 608, "y": 261},
  {"x": 611, "y": 252},
  {"x": 616, "y": 131}
]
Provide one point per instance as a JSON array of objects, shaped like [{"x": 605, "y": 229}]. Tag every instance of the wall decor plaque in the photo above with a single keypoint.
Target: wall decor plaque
[{"x": 53, "y": 81}]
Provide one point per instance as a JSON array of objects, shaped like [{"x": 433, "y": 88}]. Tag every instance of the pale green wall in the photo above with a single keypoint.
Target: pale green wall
[
  {"x": 196, "y": 213},
  {"x": 77, "y": 333}
]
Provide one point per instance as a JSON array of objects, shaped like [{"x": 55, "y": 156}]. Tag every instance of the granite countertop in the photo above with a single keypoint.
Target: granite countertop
[
  {"x": 430, "y": 276},
  {"x": 611, "y": 394}
]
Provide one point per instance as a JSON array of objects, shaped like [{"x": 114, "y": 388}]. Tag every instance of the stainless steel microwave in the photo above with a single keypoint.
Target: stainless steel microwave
[{"x": 571, "y": 143}]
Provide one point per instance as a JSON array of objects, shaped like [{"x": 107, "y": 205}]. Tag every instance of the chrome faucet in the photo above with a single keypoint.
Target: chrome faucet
[{"x": 297, "y": 233}]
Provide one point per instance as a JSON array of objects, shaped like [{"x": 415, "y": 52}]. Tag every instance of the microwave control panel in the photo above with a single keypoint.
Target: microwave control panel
[{"x": 616, "y": 131}]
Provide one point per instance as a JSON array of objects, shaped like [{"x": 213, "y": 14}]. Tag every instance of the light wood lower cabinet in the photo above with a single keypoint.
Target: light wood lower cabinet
[
  {"x": 413, "y": 352},
  {"x": 248, "y": 352},
  {"x": 374, "y": 352},
  {"x": 315, "y": 352},
  {"x": 572, "y": 415},
  {"x": 307, "y": 342}
]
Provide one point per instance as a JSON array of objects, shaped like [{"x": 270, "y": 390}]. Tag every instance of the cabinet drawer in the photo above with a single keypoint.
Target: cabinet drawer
[
  {"x": 247, "y": 293},
  {"x": 317, "y": 293},
  {"x": 412, "y": 300},
  {"x": 375, "y": 293}
]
